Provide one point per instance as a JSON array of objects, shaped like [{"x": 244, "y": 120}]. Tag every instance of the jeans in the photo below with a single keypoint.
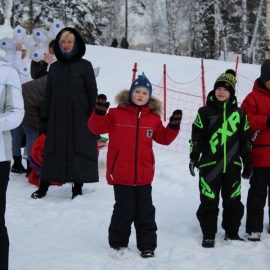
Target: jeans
[
  {"x": 17, "y": 135},
  {"x": 31, "y": 136}
]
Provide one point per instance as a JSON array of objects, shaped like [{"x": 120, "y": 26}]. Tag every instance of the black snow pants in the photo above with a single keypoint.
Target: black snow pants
[
  {"x": 233, "y": 210},
  {"x": 256, "y": 200},
  {"x": 133, "y": 204}
]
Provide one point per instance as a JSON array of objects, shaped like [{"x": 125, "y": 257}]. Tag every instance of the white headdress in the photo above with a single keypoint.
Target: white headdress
[{"x": 42, "y": 38}]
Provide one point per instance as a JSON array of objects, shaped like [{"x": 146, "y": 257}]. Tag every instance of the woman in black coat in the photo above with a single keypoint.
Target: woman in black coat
[{"x": 70, "y": 151}]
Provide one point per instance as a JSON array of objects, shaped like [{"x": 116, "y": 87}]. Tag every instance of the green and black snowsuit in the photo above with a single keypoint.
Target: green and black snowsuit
[{"x": 220, "y": 134}]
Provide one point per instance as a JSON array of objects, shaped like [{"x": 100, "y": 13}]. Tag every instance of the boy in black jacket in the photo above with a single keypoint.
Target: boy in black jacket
[{"x": 220, "y": 134}]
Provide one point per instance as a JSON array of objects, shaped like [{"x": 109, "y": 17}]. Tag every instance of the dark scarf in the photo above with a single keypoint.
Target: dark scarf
[{"x": 74, "y": 51}]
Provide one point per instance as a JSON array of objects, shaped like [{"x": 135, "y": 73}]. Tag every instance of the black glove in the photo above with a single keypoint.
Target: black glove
[
  {"x": 43, "y": 124},
  {"x": 248, "y": 171},
  {"x": 102, "y": 105},
  {"x": 175, "y": 119},
  {"x": 192, "y": 164},
  {"x": 268, "y": 122}
]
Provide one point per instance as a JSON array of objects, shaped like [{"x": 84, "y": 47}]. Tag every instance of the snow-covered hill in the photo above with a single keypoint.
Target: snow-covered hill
[{"x": 58, "y": 233}]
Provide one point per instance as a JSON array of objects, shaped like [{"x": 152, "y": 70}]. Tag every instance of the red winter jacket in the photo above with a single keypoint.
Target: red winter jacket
[
  {"x": 257, "y": 107},
  {"x": 131, "y": 129}
]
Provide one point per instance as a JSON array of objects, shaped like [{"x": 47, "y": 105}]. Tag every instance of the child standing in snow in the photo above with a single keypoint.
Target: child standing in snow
[
  {"x": 220, "y": 134},
  {"x": 132, "y": 127},
  {"x": 257, "y": 107}
]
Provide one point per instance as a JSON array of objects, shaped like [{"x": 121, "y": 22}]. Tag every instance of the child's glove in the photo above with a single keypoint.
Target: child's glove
[
  {"x": 192, "y": 164},
  {"x": 175, "y": 119},
  {"x": 248, "y": 171},
  {"x": 102, "y": 105}
]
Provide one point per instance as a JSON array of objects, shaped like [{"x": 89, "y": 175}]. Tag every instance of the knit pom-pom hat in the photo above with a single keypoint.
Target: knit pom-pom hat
[
  {"x": 141, "y": 81},
  {"x": 227, "y": 80}
]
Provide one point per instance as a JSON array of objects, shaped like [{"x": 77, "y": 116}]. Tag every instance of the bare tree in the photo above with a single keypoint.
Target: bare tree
[
  {"x": 244, "y": 32},
  {"x": 255, "y": 31},
  {"x": 171, "y": 18},
  {"x": 115, "y": 29},
  {"x": 135, "y": 7},
  {"x": 153, "y": 27},
  {"x": 196, "y": 34},
  {"x": 7, "y": 7},
  {"x": 217, "y": 29},
  {"x": 267, "y": 38}
]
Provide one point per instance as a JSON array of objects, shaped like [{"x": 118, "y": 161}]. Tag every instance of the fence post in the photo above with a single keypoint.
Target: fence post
[
  {"x": 236, "y": 65},
  {"x": 203, "y": 84},
  {"x": 165, "y": 90},
  {"x": 134, "y": 72}
]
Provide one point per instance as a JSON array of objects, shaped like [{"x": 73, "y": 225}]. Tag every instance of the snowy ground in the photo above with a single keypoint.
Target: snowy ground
[{"x": 58, "y": 233}]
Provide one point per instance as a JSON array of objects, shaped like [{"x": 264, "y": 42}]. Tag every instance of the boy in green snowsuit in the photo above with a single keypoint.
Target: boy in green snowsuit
[{"x": 220, "y": 136}]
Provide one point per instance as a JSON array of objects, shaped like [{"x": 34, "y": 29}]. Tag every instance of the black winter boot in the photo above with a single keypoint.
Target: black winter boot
[
  {"x": 147, "y": 254},
  {"x": 232, "y": 236},
  {"x": 76, "y": 190},
  {"x": 42, "y": 191},
  {"x": 17, "y": 166},
  {"x": 208, "y": 242},
  {"x": 28, "y": 169}
]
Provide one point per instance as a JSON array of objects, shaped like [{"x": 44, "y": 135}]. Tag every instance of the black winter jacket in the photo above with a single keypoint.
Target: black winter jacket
[
  {"x": 220, "y": 134},
  {"x": 33, "y": 95},
  {"x": 70, "y": 151},
  {"x": 38, "y": 69}
]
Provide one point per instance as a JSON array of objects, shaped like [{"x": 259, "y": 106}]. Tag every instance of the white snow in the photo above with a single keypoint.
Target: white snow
[{"x": 58, "y": 233}]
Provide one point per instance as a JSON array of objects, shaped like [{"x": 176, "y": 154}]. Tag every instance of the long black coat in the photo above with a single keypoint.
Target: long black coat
[{"x": 70, "y": 151}]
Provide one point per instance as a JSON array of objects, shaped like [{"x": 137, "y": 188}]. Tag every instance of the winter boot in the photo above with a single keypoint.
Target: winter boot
[
  {"x": 28, "y": 169},
  {"x": 76, "y": 190},
  {"x": 120, "y": 253},
  {"x": 17, "y": 166},
  {"x": 208, "y": 242},
  {"x": 147, "y": 254},
  {"x": 42, "y": 191},
  {"x": 232, "y": 236},
  {"x": 254, "y": 236}
]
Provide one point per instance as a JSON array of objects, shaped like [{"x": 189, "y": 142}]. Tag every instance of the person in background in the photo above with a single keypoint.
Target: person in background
[
  {"x": 124, "y": 43},
  {"x": 70, "y": 150},
  {"x": 219, "y": 142},
  {"x": 11, "y": 115},
  {"x": 114, "y": 43},
  {"x": 22, "y": 65},
  {"x": 41, "y": 68},
  {"x": 33, "y": 95},
  {"x": 257, "y": 107},
  {"x": 131, "y": 162}
]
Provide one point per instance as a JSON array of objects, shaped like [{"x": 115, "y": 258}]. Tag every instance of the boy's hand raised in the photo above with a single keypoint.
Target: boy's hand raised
[
  {"x": 175, "y": 119},
  {"x": 102, "y": 105}
]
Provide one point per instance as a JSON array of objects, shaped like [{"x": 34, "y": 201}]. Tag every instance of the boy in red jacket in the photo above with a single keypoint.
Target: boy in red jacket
[
  {"x": 257, "y": 107},
  {"x": 132, "y": 127}
]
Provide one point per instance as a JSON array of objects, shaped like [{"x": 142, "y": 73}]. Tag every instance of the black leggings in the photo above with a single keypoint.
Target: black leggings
[{"x": 4, "y": 241}]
